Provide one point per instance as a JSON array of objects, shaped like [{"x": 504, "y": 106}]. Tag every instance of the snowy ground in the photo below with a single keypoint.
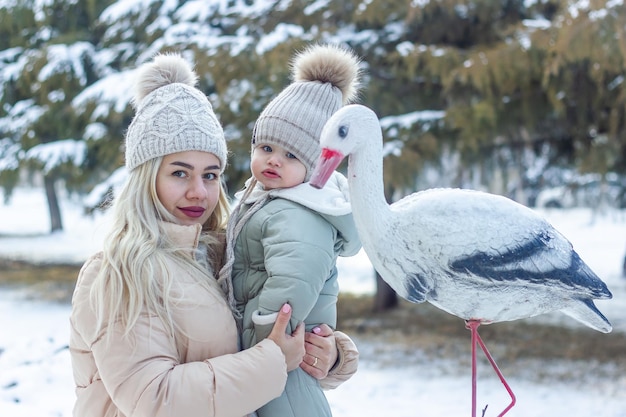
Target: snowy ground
[{"x": 35, "y": 371}]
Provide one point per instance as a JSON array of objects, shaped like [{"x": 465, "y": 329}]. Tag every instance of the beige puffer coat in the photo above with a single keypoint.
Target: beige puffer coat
[{"x": 199, "y": 373}]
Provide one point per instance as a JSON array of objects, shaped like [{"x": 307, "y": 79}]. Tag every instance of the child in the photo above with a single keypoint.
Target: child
[{"x": 284, "y": 237}]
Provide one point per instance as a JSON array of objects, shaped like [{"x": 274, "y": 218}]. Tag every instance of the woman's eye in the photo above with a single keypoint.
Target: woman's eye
[
  {"x": 210, "y": 176},
  {"x": 179, "y": 174}
]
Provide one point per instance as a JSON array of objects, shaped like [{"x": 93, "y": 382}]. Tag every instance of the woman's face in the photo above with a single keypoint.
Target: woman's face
[
  {"x": 188, "y": 185},
  {"x": 276, "y": 167}
]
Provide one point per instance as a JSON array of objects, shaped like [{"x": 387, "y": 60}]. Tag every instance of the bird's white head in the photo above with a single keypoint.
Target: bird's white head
[{"x": 340, "y": 137}]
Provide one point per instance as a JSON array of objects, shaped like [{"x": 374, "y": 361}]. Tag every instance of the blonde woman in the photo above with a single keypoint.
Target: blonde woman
[{"x": 151, "y": 331}]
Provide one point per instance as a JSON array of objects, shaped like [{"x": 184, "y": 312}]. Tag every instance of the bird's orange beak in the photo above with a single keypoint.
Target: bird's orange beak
[{"x": 329, "y": 160}]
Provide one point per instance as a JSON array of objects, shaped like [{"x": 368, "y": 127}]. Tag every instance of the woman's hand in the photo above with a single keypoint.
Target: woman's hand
[
  {"x": 321, "y": 352},
  {"x": 292, "y": 345}
]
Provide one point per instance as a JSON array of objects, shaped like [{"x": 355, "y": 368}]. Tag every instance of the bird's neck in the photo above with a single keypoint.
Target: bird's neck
[{"x": 365, "y": 177}]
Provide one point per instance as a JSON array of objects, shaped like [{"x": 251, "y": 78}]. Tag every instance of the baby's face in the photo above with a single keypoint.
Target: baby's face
[{"x": 275, "y": 167}]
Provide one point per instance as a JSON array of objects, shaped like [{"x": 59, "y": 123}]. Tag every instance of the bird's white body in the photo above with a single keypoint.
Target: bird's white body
[{"x": 476, "y": 255}]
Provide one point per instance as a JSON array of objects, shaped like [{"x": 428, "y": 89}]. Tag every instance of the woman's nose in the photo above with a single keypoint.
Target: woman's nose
[{"x": 196, "y": 190}]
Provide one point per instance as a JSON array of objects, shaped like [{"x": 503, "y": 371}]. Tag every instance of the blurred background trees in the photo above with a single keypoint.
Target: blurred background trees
[
  {"x": 508, "y": 96},
  {"x": 483, "y": 94}
]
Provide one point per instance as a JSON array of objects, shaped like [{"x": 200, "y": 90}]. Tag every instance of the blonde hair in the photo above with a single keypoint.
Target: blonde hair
[{"x": 134, "y": 273}]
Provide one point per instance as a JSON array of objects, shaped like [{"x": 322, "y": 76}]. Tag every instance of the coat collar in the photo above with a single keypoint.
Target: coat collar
[
  {"x": 333, "y": 199},
  {"x": 182, "y": 235}
]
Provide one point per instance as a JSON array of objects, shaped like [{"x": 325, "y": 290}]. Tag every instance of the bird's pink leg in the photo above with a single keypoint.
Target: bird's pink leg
[{"x": 472, "y": 325}]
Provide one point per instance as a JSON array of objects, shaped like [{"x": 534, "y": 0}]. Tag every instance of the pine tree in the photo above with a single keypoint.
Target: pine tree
[{"x": 490, "y": 94}]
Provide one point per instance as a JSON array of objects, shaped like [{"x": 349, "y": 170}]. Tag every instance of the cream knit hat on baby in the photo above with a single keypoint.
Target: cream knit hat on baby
[
  {"x": 172, "y": 115},
  {"x": 325, "y": 78}
]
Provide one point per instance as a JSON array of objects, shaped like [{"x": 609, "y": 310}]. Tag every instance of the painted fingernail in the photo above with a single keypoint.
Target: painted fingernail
[{"x": 286, "y": 308}]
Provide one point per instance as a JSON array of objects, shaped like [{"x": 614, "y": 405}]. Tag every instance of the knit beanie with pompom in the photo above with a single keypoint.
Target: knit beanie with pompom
[
  {"x": 172, "y": 115},
  {"x": 326, "y": 77}
]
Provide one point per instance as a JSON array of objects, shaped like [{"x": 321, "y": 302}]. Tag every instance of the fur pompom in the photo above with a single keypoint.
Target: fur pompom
[
  {"x": 329, "y": 64},
  {"x": 164, "y": 69}
]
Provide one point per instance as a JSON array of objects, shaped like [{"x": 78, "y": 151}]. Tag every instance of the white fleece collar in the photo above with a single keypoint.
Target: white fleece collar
[{"x": 333, "y": 199}]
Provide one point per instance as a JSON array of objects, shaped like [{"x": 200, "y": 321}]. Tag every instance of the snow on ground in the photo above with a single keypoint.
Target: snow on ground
[{"x": 35, "y": 370}]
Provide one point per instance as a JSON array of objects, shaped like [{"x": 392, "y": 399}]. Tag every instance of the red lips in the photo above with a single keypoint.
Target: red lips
[{"x": 193, "y": 211}]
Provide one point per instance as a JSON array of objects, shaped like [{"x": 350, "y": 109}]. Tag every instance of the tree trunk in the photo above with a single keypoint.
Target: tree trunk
[
  {"x": 386, "y": 298},
  {"x": 53, "y": 204}
]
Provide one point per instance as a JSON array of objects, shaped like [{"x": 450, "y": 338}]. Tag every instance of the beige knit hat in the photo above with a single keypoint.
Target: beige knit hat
[
  {"x": 172, "y": 115},
  {"x": 325, "y": 78}
]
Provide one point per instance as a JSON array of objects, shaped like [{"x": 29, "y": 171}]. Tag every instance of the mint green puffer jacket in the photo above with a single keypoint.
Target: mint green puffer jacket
[{"x": 287, "y": 252}]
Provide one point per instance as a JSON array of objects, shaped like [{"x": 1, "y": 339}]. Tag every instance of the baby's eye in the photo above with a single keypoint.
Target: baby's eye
[
  {"x": 266, "y": 148},
  {"x": 291, "y": 156}
]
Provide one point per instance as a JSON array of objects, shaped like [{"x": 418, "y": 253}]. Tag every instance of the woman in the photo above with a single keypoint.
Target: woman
[{"x": 151, "y": 331}]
